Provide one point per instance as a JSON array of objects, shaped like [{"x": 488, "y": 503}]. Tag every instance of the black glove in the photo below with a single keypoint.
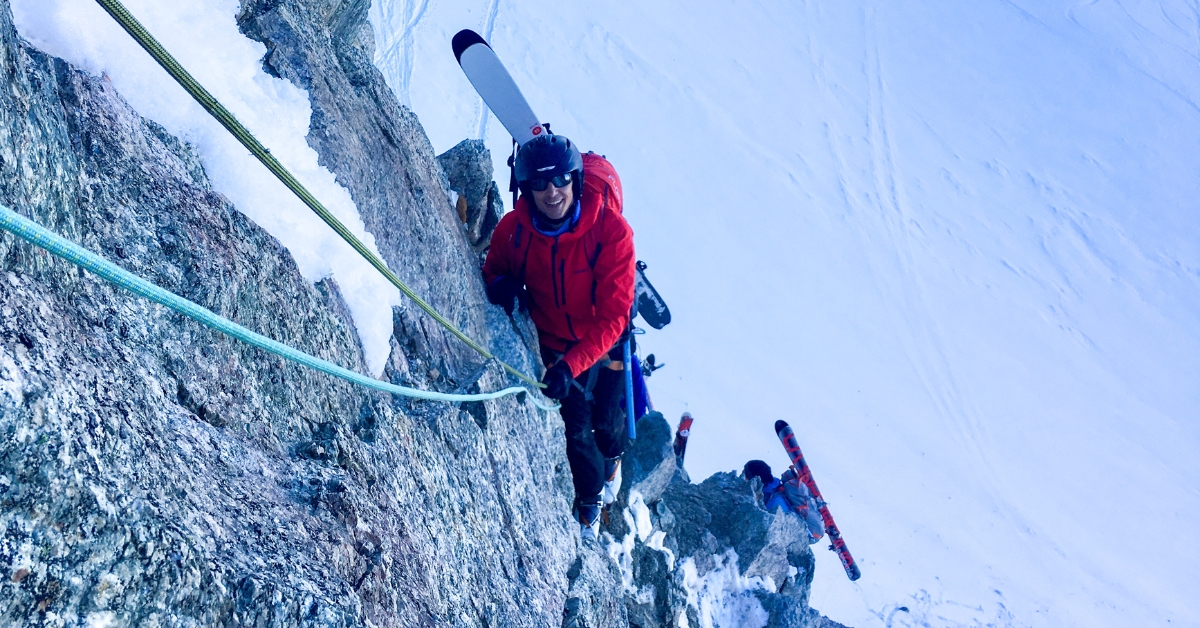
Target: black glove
[
  {"x": 558, "y": 381},
  {"x": 504, "y": 290}
]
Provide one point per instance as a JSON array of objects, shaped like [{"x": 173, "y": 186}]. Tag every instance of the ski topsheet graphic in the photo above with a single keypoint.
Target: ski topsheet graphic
[
  {"x": 792, "y": 446},
  {"x": 493, "y": 82}
]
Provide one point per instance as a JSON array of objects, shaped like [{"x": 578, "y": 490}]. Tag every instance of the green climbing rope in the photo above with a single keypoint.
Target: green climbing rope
[
  {"x": 218, "y": 111},
  {"x": 40, "y": 236}
]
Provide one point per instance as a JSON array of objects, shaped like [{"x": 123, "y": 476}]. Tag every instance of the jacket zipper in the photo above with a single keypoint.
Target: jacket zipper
[
  {"x": 562, "y": 277},
  {"x": 553, "y": 279}
]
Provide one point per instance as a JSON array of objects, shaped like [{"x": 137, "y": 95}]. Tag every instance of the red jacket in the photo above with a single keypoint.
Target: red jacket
[{"x": 580, "y": 283}]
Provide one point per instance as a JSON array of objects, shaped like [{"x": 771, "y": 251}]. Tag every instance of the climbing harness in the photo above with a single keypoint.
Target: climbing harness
[
  {"x": 218, "y": 111},
  {"x": 40, "y": 236}
]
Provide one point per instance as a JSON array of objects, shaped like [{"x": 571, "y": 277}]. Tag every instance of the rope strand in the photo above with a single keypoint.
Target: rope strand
[
  {"x": 218, "y": 111},
  {"x": 40, "y": 236}
]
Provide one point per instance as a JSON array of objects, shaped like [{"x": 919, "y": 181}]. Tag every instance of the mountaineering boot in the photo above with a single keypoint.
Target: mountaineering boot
[
  {"x": 587, "y": 513},
  {"x": 612, "y": 479}
]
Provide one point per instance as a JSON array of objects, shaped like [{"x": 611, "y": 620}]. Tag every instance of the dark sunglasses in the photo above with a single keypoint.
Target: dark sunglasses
[{"x": 539, "y": 185}]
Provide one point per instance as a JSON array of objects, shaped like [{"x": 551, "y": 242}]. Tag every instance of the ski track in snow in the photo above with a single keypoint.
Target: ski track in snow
[
  {"x": 924, "y": 610},
  {"x": 397, "y": 52},
  {"x": 1123, "y": 57},
  {"x": 912, "y": 306},
  {"x": 933, "y": 366},
  {"x": 886, "y": 201}
]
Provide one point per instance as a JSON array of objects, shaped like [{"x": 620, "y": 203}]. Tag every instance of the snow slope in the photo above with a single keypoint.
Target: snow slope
[{"x": 956, "y": 245}]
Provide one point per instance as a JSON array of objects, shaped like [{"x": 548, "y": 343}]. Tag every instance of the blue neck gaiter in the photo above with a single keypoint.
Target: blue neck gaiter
[{"x": 553, "y": 228}]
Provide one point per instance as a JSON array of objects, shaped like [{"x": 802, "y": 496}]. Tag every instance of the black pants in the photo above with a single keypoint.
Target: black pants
[{"x": 595, "y": 429}]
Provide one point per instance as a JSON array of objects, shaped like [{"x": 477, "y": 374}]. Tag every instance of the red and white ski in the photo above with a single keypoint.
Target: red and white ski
[{"x": 792, "y": 446}]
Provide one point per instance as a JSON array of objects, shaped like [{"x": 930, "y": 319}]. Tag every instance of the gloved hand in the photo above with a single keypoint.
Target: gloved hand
[
  {"x": 504, "y": 290},
  {"x": 558, "y": 381}
]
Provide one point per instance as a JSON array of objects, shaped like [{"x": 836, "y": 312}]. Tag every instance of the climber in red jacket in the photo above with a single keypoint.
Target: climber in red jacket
[{"x": 566, "y": 254}]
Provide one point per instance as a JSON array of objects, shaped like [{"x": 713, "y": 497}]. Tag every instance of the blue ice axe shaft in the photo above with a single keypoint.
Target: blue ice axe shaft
[{"x": 631, "y": 421}]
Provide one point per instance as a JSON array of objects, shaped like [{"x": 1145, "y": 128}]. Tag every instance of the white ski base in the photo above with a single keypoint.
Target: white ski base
[{"x": 501, "y": 94}]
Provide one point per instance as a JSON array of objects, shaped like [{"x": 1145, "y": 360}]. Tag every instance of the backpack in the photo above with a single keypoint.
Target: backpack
[{"x": 804, "y": 504}]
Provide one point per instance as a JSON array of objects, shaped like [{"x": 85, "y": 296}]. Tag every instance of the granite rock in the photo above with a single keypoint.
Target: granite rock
[
  {"x": 468, "y": 168},
  {"x": 714, "y": 526},
  {"x": 156, "y": 473},
  {"x": 153, "y": 472}
]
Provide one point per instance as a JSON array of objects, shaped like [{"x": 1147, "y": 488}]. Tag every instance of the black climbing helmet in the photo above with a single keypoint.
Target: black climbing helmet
[
  {"x": 758, "y": 469},
  {"x": 548, "y": 156}
]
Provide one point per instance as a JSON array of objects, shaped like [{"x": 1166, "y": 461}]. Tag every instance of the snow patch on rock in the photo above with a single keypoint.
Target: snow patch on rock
[
  {"x": 101, "y": 619},
  {"x": 655, "y": 542},
  {"x": 638, "y": 516},
  {"x": 722, "y": 596},
  {"x": 637, "y": 520},
  {"x": 203, "y": 36}
]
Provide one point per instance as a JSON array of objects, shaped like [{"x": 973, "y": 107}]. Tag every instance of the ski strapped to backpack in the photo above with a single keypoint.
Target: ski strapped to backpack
[
  {"x": 792, "y": 446},
  {"x": 496, "y": 86},
  {"x": 500, "y": 93}
]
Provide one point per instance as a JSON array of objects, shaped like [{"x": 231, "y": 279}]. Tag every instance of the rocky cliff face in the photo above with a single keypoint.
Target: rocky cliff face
[
  {"x": 704, "y": 554},
  {"x": 156, "y": 473}
]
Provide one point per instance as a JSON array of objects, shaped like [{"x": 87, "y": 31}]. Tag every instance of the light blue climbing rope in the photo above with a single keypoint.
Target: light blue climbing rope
[
  {"x": 243, "y": 135},
  {"x": 39, "y": 236}
]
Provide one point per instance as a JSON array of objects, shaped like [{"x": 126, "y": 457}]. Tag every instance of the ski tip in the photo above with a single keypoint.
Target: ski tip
[
  {"x": 780, "y": 426},
  {"x": 463, "y": 40}
]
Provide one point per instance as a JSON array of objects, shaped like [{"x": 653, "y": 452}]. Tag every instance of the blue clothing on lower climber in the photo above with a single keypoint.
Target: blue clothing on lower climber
[
  {"x": 773, "y": 497},
  {"x": 789, "y": 494}
]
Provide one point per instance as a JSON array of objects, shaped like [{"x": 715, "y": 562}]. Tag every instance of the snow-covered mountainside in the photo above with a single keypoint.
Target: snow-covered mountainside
[
  {"x": 955, "y": 244},
  {"x": 156, "y": 473}
]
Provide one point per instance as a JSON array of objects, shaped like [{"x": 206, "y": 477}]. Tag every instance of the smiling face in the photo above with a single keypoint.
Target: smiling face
[{"x": 554, "y": 202}]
